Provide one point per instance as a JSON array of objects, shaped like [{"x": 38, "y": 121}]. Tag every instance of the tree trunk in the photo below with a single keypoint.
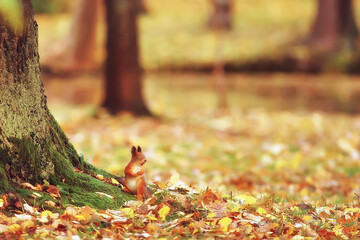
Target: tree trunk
[
  {"x": 333, "y": 24},
  {"x": 123, "y": 88},
  {"x": 77, "y": 51},
  {"x": 82, "y": 38},
  {"x": 220, "y": 18},
  {"x": 33, "y": 147},
  {"x": 141, "y": 7},
  {"x": 219, "y": 74}
]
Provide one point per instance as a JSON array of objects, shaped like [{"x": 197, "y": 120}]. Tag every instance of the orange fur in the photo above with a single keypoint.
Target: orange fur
[{"x": 135, "y": 179}]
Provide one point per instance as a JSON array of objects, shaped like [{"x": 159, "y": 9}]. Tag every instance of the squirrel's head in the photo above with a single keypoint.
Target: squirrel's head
[{"x": 137, "y": 155}]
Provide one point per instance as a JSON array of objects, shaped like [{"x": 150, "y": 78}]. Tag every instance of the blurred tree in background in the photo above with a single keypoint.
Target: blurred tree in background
[
  {"x": 220, "y": 22},
  {"x": 123, "y": 88},
  {"x": 334, "y": 25},
  {"x": 221, "y": 17}
]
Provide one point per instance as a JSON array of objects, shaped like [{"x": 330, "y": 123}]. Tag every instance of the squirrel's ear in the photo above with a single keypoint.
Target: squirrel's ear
[
  {"x": 133, "y": 150},
  {"x": 139, "y": 149}
]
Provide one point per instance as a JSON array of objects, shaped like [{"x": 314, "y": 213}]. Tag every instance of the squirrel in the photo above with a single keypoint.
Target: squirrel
[{"x": 135, "y": 179}]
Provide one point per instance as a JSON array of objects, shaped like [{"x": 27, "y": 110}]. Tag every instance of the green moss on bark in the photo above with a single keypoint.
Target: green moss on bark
[
  {"x": 75, "y": 188},
  {"x": 5, "y": 185}
]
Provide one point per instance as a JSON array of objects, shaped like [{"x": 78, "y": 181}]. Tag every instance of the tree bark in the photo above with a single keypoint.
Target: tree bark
[
  {"x": 334, "y": 23},
  {"x": 123, "y": 88},
  {"x": 33, "y": 147}
]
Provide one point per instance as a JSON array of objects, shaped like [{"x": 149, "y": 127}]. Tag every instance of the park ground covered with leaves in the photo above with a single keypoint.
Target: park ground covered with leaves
[{"x": 250, "y": 173}]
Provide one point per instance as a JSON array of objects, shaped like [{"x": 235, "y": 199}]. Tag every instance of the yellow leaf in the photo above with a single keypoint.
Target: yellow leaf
[
  {"x": 355, "y": 210},
  {"x": 235, "y": 209},
  {"x": 235, "y": 206},
  {"x": 261, "y": 211},
  {"x": 129, "y": 212},
  {"x": 114, "y": 181},
  {"x": 161, "y": 185},
  {"x": 100, "y": 177},
  {"x": 174, "y": 179},
  {"x": 247, "y": 199},
  {"x": 47, "y": 213},
  {"x": 308, "y": 218},
  {"x": 80, "y": 218},
  {"x": 163, "y": 212},
  {"x": 1, "y": 202},
  {"x": 224, "y": 224},
  {"x": 211, "y": 215},
  {"x": 28, "y": 224},
  {"x": 337, "y": 230},
  {"x": 152, "y": 217},
  {"x": 270, "y": 216},
  {"x": 296, "y": 209},
  {"x": 290, "y": 229},
  {"x": 14, "y": 228}
]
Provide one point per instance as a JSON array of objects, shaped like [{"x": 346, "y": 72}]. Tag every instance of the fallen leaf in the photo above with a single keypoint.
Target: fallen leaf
[
  {"x": 53, "y": 190},
  {"x": 261, "y": 211},
  {"x": 101, "y": 194},
  {"x": 163, "y": 212},
  {"x": 307, "y": 218},
  {"x": 174, "y": 179},
  {"x": 3, "y": 228},
  {"x": 129, "y": 212},
  {"x": 161, "y": 185},
  {"x": 13, "y": 228},
  {"x": 224, "y": 224},
  {"x": 114, "y": 181},
  {"x": 28, "y": 186},
  {"x": 246, "y": 199},
  {"x": 50, "y": 203},
  {"x": 100, "y": 177}
]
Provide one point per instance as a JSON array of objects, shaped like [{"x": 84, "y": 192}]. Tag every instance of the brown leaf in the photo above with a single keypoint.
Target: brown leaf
[
  {"x": 208, "y": 196},
  {"x": 53, "y": 190},
  {"x": 219, "y": 208}
]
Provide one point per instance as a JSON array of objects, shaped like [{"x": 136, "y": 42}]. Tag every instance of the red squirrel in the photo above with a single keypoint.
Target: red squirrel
[{"x": 135, "y": 179}]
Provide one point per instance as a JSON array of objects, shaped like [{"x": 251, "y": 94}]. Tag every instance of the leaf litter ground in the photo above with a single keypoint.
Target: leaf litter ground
[{"x": 240, "y": 174}]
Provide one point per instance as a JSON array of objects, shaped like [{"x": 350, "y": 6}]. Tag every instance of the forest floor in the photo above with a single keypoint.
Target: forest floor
[{"x": 253, "y": 171}]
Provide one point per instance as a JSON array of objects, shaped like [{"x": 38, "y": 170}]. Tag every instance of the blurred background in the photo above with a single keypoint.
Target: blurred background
[{"x": 229, "y": 93}]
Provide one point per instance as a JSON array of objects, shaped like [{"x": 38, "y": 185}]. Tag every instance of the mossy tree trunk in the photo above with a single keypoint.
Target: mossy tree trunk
[
  {"x": 33, "y": 147},
  {"x": 123, "y": 88}
]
